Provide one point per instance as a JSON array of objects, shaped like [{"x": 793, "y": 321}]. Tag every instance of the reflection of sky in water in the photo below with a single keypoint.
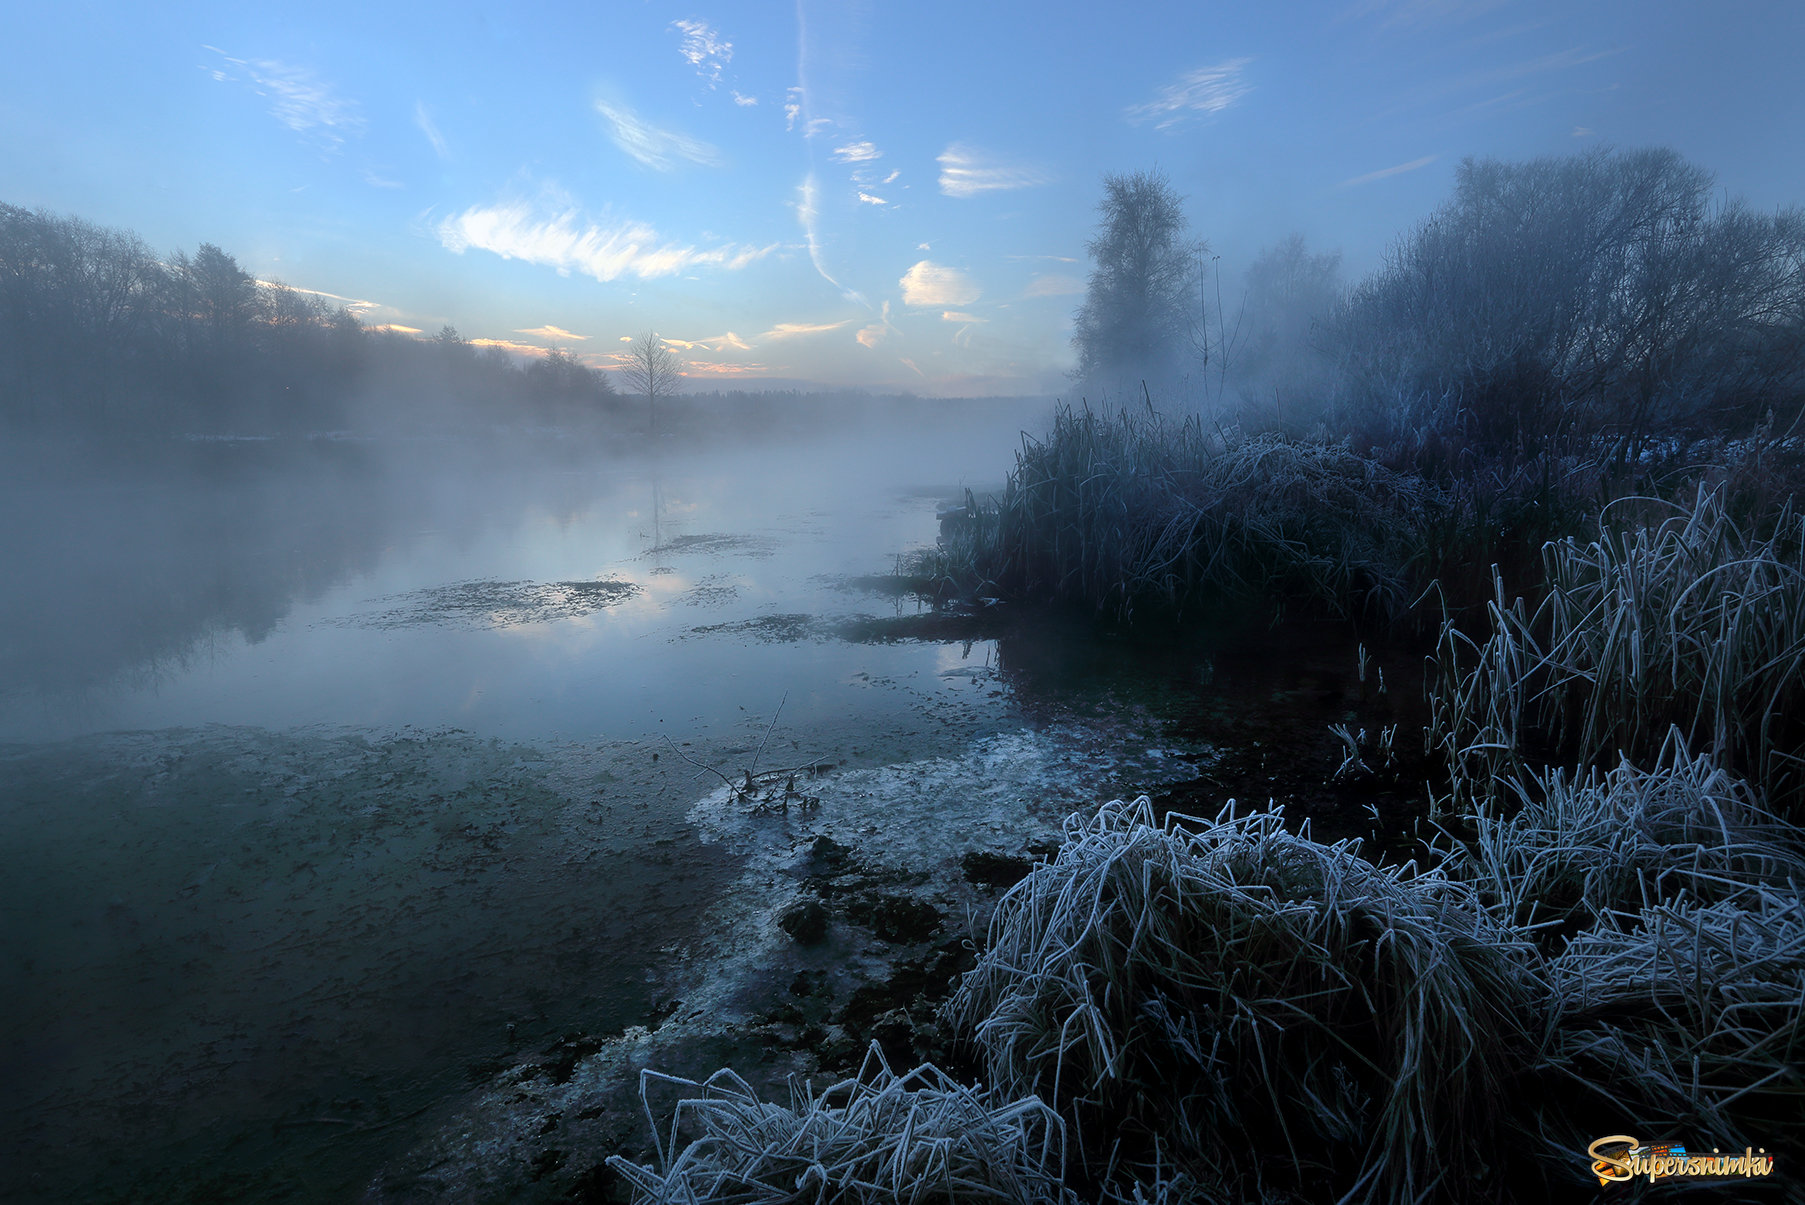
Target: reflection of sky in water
[{"x": 443, "y": 622}]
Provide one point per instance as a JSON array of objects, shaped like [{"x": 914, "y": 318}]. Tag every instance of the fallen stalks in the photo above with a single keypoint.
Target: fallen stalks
[
  {"x": 1268, "y": 1011},
  {"x": 1576, "y": 848},
  {"x": 879, "y": 1137}
]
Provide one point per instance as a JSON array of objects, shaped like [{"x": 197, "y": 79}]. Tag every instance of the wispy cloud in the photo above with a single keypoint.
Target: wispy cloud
[
  {"x": 716, "y": 342},
  {"x": 740, "y": 98},
  {"x": 1053, "y": 285},
  {"x": 704, "y": 48},
  {"x": 298, "y": 99},
  {"x": 395, "y": 328},
  {"x": 1583, "y": 132},
  {"x": 960, "y": 316},
  {"x": 857, "y": 152},
  {"x": 655, "y": 147},
  {"x": 513, "y": 345},
  {"x": 808, "y": 213},
  {"x": 966, "y": 171},
  {"x": 877, "y": 332},
  {"x": 1201, "y": 90},
  {"x": 355, "y": 305},
  {"x": 869, "y": 199},
  {"x": 376, "y": 180},
  {"x": 549, "y": 332},
  {"x": 792, "y": 107},
  {"x": 935, "y": 285},
  {"x": 792, "y": 330},
  {"x": 424, "y": 120},
  {"x": 1383, "y": 172},
  {"x": 568, "y": 241}
]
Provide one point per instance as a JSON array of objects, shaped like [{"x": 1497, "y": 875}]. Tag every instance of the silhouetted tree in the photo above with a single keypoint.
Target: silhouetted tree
[
  {"x": 1137, "y": 317},
  {"x": 651, "y": 372}
]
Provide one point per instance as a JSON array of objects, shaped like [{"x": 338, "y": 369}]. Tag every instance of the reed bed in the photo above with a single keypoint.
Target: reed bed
[
  {"x": 1127, "y": 513},
  {"x": 913, "y": 1139},
  {"x": 1269, "y": 1012},
  {"x": 1576, "y": 848},
  {"x": 1685, "y": 1019},
  {"x": 1688, "y": 624}
]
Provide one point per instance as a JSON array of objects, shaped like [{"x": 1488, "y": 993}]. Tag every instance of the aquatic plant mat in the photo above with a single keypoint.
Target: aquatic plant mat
[{"x": 878, "y": 1137}]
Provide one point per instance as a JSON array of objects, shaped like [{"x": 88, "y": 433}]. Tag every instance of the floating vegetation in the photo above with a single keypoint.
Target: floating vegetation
[
  {"x": 1261, "y": 1010},
  {"x": 716, "y": 543},
  {"x": 878, "y": 1137},
  {"x": 714, "y": 591},
  {"x": 496, "y": 604},
  {"x": 787, "y": 628}
]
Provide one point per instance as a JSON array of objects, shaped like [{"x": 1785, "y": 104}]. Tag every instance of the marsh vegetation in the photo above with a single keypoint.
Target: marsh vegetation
[{"x": 1551, "y": 448}]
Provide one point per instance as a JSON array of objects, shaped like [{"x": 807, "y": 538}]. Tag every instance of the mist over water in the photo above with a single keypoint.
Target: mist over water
[{"x": 333, "y": 769}]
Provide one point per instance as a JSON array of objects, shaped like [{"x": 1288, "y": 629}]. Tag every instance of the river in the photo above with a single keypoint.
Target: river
[{"x": 335, "y": 777}]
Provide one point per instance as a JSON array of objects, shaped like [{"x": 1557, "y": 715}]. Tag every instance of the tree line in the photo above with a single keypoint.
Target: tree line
[
  {"x": 1604, "y": 298},
  {"x": 102, "y": 338}
]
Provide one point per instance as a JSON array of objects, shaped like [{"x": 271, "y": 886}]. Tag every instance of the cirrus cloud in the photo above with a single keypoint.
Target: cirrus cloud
[
  {"x": 965, "y": 171},
  {"x": 1201, "y": 90},
  {"x": 569, "y": 241},
  {"x": 655, "y": 147}
]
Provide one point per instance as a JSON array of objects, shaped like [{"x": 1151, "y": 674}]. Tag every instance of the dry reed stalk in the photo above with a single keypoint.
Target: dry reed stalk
[
  {"x": 1688, "y": 624},
  {"x": 1132, "y": 512},
  {"x": 1262, "y": 1007},
  {"x": 1576, "y": 848},
  {"x": 880, "y": 1137},
  {"x": 1686, "y": 1019}
]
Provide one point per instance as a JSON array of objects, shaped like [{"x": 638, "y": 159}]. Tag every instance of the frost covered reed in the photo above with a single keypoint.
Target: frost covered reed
[
  {"x": 1267, "y": 1011},
  {"x": 905, "y": 1139},
  {"x": 1127, "y": 513},
  {"x": 1685, "y": 1018},
  {"x": 1689, "y": 623},
  {"x": 1577, "y": 847}
]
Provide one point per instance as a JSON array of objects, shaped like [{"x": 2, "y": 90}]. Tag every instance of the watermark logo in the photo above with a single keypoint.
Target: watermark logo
[{"x": 1621, "y": 1157}]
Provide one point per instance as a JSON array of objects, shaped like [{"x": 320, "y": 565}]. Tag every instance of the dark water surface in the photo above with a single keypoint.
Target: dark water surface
[{"x": 331, "y": 781}]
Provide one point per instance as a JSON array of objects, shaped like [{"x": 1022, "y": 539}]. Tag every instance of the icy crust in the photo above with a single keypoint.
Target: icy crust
[{"x": 883, "y": 847}]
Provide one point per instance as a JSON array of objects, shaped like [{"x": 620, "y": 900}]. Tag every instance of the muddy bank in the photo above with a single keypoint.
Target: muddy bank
[{"x": 863, "y": 898}]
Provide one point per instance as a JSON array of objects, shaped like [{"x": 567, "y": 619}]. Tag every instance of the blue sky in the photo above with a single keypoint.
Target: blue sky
[{"x": 894, "y": 196}]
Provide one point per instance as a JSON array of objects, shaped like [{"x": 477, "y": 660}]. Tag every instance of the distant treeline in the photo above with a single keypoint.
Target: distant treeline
[
  {"x": 1598, "y": 298},
  {"x": 100, "y": 337}
]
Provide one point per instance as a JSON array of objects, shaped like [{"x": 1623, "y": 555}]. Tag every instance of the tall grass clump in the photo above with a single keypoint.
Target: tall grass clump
[
  {"x": 1688, "y": 623},
  {"x": 1577, "y": 847},
  {"x": 913, "y": 1139},
  {"x": 1127, "y": 513},
  {"x": 1266, "y": 1012},
  {"x": 1684, "y": 1019}
]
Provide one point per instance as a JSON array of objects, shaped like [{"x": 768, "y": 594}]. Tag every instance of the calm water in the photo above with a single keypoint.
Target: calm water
[
  {"x": 326, "y": 786},
  {"x": 333, "y": 779}
]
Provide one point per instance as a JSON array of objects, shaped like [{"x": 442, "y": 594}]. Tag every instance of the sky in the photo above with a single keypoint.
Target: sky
[{"x": 890, "y": 196}]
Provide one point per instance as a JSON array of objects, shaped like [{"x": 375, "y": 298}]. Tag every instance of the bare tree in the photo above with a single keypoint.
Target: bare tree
[
  {"x": 1595, "y": 293},
  {"x": 1137, "y": 311},
  {"x": 652, "y": 372}
]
